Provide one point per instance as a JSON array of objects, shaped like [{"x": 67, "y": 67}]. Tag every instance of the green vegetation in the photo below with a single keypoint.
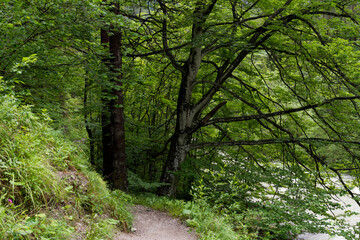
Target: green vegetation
[
  {"x": 246, "y": 110},
  {"x": 198, "y": 215},
  {"x": 47, "y": 186},
  {"x": 290, "y": 204}
]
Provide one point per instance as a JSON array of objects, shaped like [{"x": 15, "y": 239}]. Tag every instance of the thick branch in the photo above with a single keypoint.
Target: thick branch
[
  {"x": 167, "y": 49},
  {"x": 346, "y": 15},
  {"x": 227, "y": 69},
  {"x": 212, "y": 113},
  {"x": 158, "y": 51},
  {"x": 267, "y": 115},
  {"x": 268, "y": 141}
]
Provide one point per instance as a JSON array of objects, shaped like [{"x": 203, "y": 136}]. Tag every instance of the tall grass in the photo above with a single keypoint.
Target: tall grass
[
  {"x": 47, "y": 185},
  {"x": 27, "y": 175}
]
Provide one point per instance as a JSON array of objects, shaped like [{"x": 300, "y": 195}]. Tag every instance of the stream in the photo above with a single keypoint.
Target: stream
[{"x": 352, "y": 220}]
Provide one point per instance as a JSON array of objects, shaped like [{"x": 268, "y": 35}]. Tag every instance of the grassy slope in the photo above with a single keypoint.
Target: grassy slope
[{"x": 47, "y": 188}]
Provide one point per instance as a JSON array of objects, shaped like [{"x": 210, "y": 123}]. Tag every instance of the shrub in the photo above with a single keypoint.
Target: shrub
[{"x": 276, "y": 203}]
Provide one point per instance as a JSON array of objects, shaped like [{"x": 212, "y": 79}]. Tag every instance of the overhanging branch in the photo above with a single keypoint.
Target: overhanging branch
[
  {"x": 269, "y": 141},
  {"x": 157, "y": 51},
  {"x": 268, "y": 115}
]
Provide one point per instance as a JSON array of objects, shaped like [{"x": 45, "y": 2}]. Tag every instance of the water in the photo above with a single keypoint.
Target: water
[
  {"x": 319, "y": 236},
  {"x": 352, "y": 220}
]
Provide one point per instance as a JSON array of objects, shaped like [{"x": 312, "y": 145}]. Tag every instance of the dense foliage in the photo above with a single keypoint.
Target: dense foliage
[{"x": 248, "y": 107}]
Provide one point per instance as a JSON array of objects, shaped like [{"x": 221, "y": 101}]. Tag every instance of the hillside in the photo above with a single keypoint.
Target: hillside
[{"x": 48, "y": 189}]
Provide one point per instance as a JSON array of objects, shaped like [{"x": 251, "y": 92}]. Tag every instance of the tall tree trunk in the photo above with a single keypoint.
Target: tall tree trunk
[
  {"x": 105, "y": 117},
  {"x": 114, "y": 156},
  {"x": 176, "y": 156},
  {"x": 119, "y": 175},
  {"x": 182, "y": 136},
  {"x": 188, "y": 114}
]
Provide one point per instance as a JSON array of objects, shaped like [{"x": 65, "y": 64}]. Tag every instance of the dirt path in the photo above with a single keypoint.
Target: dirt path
[{"x": 155, "y": 225}]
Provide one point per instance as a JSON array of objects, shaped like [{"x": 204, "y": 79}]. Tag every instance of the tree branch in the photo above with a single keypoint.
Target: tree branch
[
  {"x": 268, "y": 115},
  {"x": 268, "y": 141},
  {"x": 167, "y": 49},
  {"x": 211, "y": 113},
  {"x": 158, "y": 51}
]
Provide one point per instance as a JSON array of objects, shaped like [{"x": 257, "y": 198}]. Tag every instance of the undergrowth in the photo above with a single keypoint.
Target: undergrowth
[
  {"x": 48, "y": 190},
  {"x": 198, "y": 215}
]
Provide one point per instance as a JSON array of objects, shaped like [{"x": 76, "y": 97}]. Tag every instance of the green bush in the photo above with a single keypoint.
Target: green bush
[
  {"x": 212, "y": 225},
  {"x": 18, "y": 225},
  {"x": 278, "y": 203}
]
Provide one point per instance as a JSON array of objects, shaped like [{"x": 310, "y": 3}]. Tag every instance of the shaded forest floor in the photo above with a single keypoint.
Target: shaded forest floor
[{"x": 152, "y": 224}]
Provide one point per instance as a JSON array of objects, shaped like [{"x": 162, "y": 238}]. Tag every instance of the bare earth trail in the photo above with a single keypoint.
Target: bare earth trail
[{"x": 155, "y": 225}]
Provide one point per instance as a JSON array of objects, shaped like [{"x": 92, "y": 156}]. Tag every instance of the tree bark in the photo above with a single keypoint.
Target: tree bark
[
  {"x": 185, "y": 123},
  {"x": 105, "y": 117},
  {"x": 176, "y": 156},
  {"x": 119, "y": 171},
  {"x": 114, "y": 156}
]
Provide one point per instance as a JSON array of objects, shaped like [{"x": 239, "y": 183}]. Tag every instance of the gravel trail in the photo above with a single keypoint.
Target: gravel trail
[{"x": 155, "y": 225}]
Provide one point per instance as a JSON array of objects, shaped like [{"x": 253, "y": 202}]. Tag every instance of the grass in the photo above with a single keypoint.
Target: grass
[
  {"x": 47, "y": 186},
  {"x": 198, "y": 215}
]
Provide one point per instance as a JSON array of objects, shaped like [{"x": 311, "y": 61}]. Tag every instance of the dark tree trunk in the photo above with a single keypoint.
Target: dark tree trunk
[
  {"x": 105, "y": 118},
  {"x": 114, "y": 157},
  {"x": 119, "y": 172}
]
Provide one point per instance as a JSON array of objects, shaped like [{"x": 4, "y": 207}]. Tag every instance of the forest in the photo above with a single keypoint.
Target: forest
[{"x": 244, "y": 111}]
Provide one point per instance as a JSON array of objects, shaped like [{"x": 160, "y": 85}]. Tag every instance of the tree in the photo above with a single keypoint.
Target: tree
[
  {"x": 60, "y": 39},
  {"x": 58, "y": 36},
  {"x": 273, "y": 63},
  {"x": 113, "y": 127}
]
